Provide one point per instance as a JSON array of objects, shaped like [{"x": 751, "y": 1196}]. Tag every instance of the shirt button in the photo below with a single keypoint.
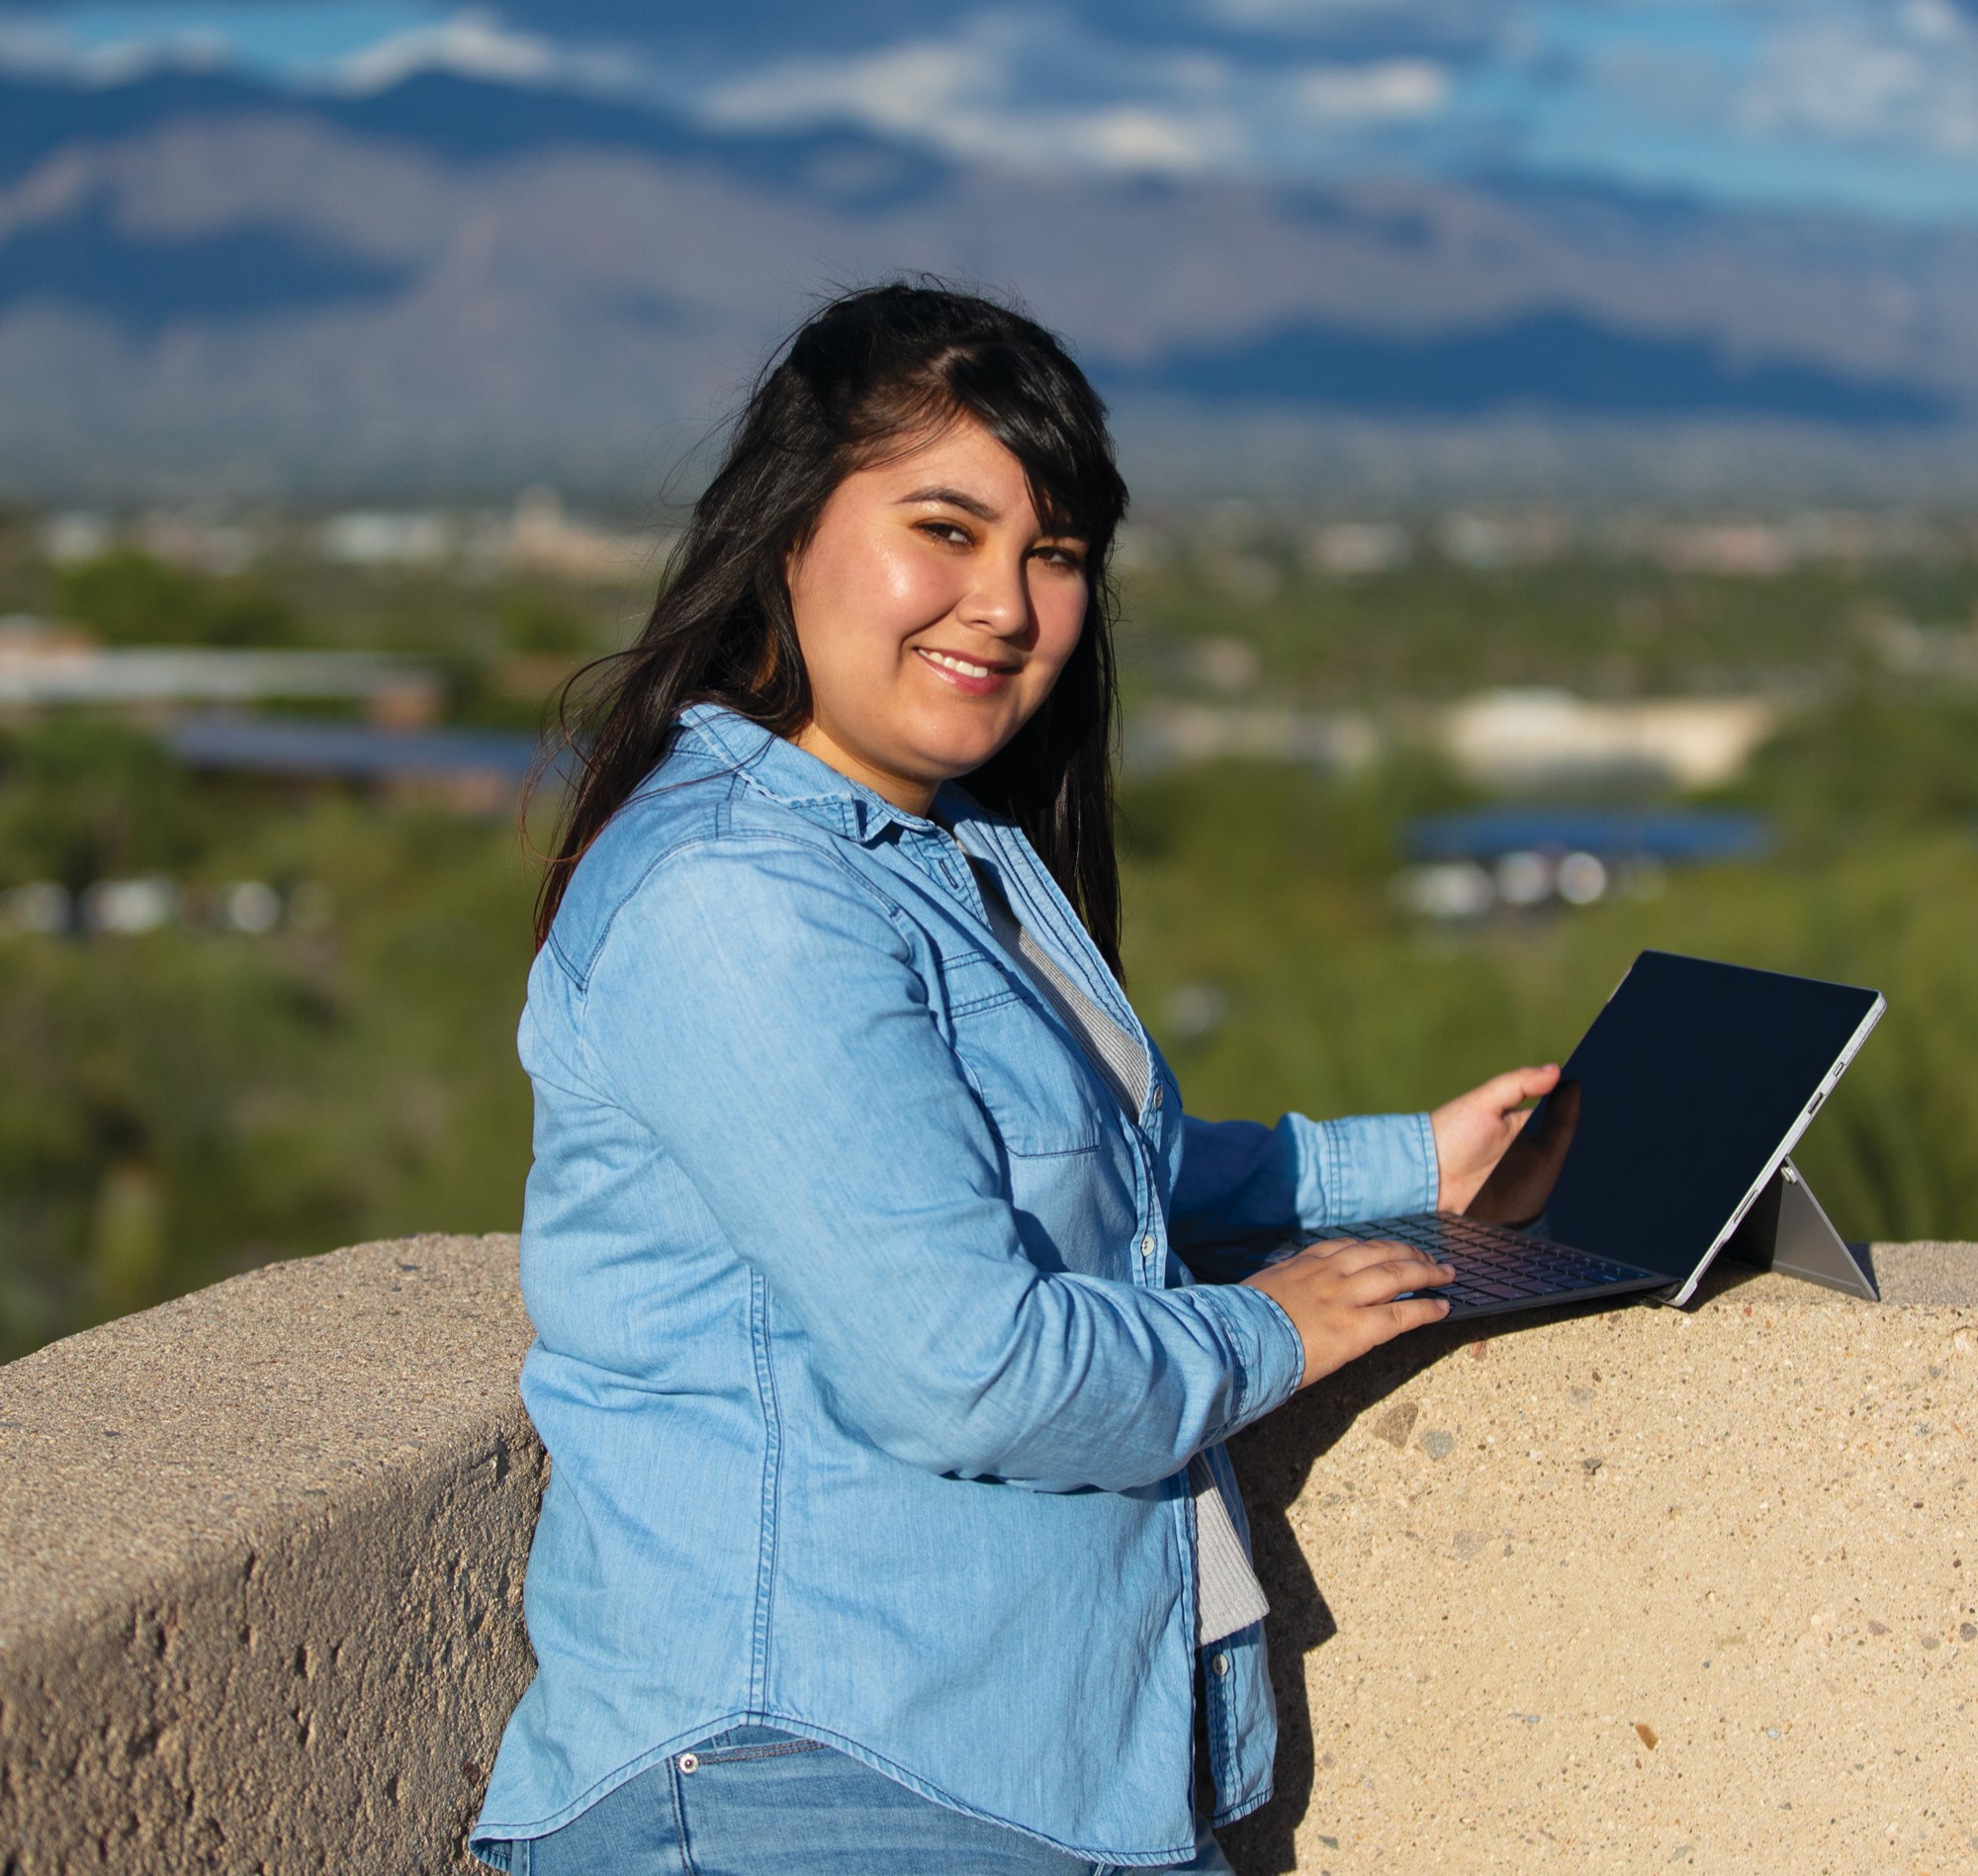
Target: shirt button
[
  {"x": 1160, "y": 1094},
  {"x": 1148, "y": 1246},
  {"x": 1219, "y": 1664},
  {"x": 690, "y": 1761}
]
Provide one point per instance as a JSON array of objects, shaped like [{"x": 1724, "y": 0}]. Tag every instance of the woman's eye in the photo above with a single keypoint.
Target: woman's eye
[
  {"x": 948, "y": 533},
  {"x": 1070, "y": 557}
]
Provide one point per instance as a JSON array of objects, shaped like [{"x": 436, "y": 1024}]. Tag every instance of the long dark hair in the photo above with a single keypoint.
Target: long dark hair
[{"x": 870, "y": 370}]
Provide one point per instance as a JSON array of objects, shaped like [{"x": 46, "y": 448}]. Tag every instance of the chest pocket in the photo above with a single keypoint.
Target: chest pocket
[{"x": 1042, "y": 1096}]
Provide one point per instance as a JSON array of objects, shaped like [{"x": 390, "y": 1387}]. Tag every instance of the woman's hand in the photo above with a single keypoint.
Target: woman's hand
[
  {"x": 1345, "y": 1296},
  {"x": 1473, "y": 1130}
]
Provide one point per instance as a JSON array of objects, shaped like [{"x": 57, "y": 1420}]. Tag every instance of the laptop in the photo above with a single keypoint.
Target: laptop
[{"x": 1671, "y": 1120}]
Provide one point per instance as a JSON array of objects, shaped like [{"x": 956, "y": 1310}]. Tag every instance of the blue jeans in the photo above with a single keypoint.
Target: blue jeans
[{"x": 756, "y": 1802}]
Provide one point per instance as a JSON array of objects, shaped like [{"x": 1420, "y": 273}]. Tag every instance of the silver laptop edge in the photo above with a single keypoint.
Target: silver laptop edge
[{"x": 1814, "y": 1103}]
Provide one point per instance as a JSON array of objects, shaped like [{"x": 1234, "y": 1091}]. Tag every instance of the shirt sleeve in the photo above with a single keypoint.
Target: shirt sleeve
[
  {"x": 1240, "y": 1175},
  {"x": 758, "y": 1007}
]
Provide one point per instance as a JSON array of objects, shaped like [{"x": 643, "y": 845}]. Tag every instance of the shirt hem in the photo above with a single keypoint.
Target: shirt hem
[
  {"x": 503, "y": 1833},
  {"x": 1243, "y": 1807}
]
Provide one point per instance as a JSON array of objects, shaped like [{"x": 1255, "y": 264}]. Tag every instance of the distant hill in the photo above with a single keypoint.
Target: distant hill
[
  {"x": 210, "y": 285},
  {"x": 1546, "y": 361}
]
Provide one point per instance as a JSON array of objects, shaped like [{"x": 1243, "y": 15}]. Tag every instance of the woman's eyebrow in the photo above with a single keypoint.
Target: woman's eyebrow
[
  {"x": 980, "y": 509},
  {"x": 968, "y": 505}
]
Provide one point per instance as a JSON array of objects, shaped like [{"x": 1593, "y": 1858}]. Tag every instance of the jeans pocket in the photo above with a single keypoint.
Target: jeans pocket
[{"x": 745, "y": 1742}]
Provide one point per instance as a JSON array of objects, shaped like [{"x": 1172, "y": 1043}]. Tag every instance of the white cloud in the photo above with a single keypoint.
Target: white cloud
[
  {"x": 927, "y": 95},
  {"x": 912, "y": 90},
  {"x": 1397, "y": 17},
  {"x": 1292, "y": 13},
  {"x": 1899, "y": 76},
  {"x": 473, "y": 44},
  {"x": 1389, "y": 90},
  {"x": 977, "y": 96},
  {"x": 37, "y": 49}
]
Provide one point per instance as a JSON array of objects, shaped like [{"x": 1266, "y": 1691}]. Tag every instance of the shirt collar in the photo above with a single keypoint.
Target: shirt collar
[{"x": 810, "y": 787}]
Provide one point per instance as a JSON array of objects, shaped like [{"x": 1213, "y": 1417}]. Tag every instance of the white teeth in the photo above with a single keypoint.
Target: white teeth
[{"x": 956, "y": 664}]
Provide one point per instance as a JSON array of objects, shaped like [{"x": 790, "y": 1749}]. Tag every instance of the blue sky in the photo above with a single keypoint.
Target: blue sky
[{"x": 1865, "y": 105}]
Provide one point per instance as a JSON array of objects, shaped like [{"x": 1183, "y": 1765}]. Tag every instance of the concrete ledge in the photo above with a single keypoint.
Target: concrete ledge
[
  {"x": 1637, "y": 1590},
  {"x": 260, "y": 1597}
]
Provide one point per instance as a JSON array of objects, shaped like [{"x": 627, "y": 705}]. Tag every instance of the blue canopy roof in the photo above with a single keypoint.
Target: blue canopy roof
[
  {"x": 356, "y": 751},
  {"x": 1693, "y": 833}
]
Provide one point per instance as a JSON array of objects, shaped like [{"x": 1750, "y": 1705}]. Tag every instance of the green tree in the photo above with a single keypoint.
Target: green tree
[
  {"x": 128, "y": 597},
  {"x": 83, "y": 799}
]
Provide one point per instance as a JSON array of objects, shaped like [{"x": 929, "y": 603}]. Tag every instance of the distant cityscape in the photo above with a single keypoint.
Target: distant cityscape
[
  {"x": 1246, "y": 543},
  {"x": 211, "y": 706}
]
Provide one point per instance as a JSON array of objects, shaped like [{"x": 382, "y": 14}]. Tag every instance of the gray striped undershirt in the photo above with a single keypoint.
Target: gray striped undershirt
[{"x": 1227, "y": 1596}]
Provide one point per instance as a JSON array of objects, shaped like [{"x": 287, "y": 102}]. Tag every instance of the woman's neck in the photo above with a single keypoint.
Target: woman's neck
[{"x": 907, "y": 793}]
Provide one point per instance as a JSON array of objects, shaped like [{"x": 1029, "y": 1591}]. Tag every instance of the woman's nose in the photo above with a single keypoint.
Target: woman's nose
[{"x": 1000, "y": 598}]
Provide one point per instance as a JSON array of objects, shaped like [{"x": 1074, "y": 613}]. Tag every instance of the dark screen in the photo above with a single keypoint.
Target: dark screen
[{"x": 1671, "y": 1107}]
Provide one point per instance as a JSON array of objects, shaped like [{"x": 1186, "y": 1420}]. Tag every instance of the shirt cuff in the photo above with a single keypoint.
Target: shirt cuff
[
  {"x": 1270, "y": 1356},
  {"x": 1371, "y": 1166}
]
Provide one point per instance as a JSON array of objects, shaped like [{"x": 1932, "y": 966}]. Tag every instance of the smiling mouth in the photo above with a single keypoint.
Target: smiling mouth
[{"x": 963, "y": 667}]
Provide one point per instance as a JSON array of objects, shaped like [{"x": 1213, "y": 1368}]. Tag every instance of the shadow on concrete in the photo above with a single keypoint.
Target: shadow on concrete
[
  {"x": 1864, "y": 1255},
  {"x": 1274, "y": 1463}
]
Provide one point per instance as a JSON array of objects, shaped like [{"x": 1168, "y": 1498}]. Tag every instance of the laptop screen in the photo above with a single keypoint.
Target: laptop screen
[{"x": 1671, "y": 1107}]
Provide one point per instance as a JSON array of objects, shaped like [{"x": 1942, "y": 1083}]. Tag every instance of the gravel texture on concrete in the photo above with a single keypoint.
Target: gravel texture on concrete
[
  {"x": 1632, "y": 1590},
  {"x": 1944, "y": 1275},
  {"x": 260, "y": 1593},
  {"x": 1635, "y": 1589}
]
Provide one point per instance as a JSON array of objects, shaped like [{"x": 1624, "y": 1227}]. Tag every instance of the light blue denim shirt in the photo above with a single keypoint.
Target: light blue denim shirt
[{"x": 870, "y": 1348}]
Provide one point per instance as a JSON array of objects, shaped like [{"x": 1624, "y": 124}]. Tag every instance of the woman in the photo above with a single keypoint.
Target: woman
[{"x": 889, "y": 1526}]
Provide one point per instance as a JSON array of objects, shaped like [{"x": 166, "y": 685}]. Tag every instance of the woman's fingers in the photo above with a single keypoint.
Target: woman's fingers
[
  {"x": 1354, "y": 1253},
  {"x": 1515, "y": 1086},
  {"x": 1347, "y": 1296},
  {"x": 1383, "y": 1283},
  {"x": 1351, "y": 1262},
  {"x": 1416, "y": 1312}
]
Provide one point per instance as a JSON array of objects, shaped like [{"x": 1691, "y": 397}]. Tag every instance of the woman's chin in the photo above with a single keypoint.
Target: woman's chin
[
  {"x": 954, "y": 751},
  {"x": 960, "y": 765}
]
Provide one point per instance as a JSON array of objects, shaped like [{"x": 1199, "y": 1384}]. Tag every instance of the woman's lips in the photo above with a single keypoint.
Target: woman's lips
[{"x": 968, "y": 675}]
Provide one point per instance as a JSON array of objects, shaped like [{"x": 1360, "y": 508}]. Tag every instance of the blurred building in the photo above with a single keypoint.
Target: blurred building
[
  {"x": 1927, "y": 651},
  {"x": 543, "y": 538},
  {"x": 1173, "y": 735},
  {"x": 1346, "y": 548},
  {"x": 384, "y": 537},
  {"x": 1521, "y": 858},
  {"x": 476, "y": 771},
  {"x": 1521, "y": 739},
  {"x": 45, "y": 665}
]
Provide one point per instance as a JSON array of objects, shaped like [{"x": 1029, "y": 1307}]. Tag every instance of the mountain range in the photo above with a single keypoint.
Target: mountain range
[{"x": 211, "y": 285}]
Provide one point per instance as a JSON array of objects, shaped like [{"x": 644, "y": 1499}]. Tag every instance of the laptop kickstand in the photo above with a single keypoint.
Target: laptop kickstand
[{"x": 1786, "y": 1230}]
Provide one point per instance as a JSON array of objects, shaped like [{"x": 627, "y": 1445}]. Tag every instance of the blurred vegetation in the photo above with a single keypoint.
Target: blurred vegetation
[
  {"x": 188, "y": 1102},
  {"x": 127, "y": 597},
  {"x": 183, "y": 1104},
  {"x": 1258, "y": 883}
]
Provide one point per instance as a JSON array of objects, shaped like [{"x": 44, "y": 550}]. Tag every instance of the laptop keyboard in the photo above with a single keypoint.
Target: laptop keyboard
[{"x": 1495, "y": 1266}]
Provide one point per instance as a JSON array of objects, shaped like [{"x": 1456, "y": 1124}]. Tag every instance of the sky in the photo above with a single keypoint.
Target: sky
[{"x": 1866, "y": 106}]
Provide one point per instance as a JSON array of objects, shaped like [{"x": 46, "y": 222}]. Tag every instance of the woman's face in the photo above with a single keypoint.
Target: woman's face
[{"x": 935, "y": 611}]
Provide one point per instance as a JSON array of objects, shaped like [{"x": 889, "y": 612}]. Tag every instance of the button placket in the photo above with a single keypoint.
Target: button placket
[{"x": 953, "y": 858}]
